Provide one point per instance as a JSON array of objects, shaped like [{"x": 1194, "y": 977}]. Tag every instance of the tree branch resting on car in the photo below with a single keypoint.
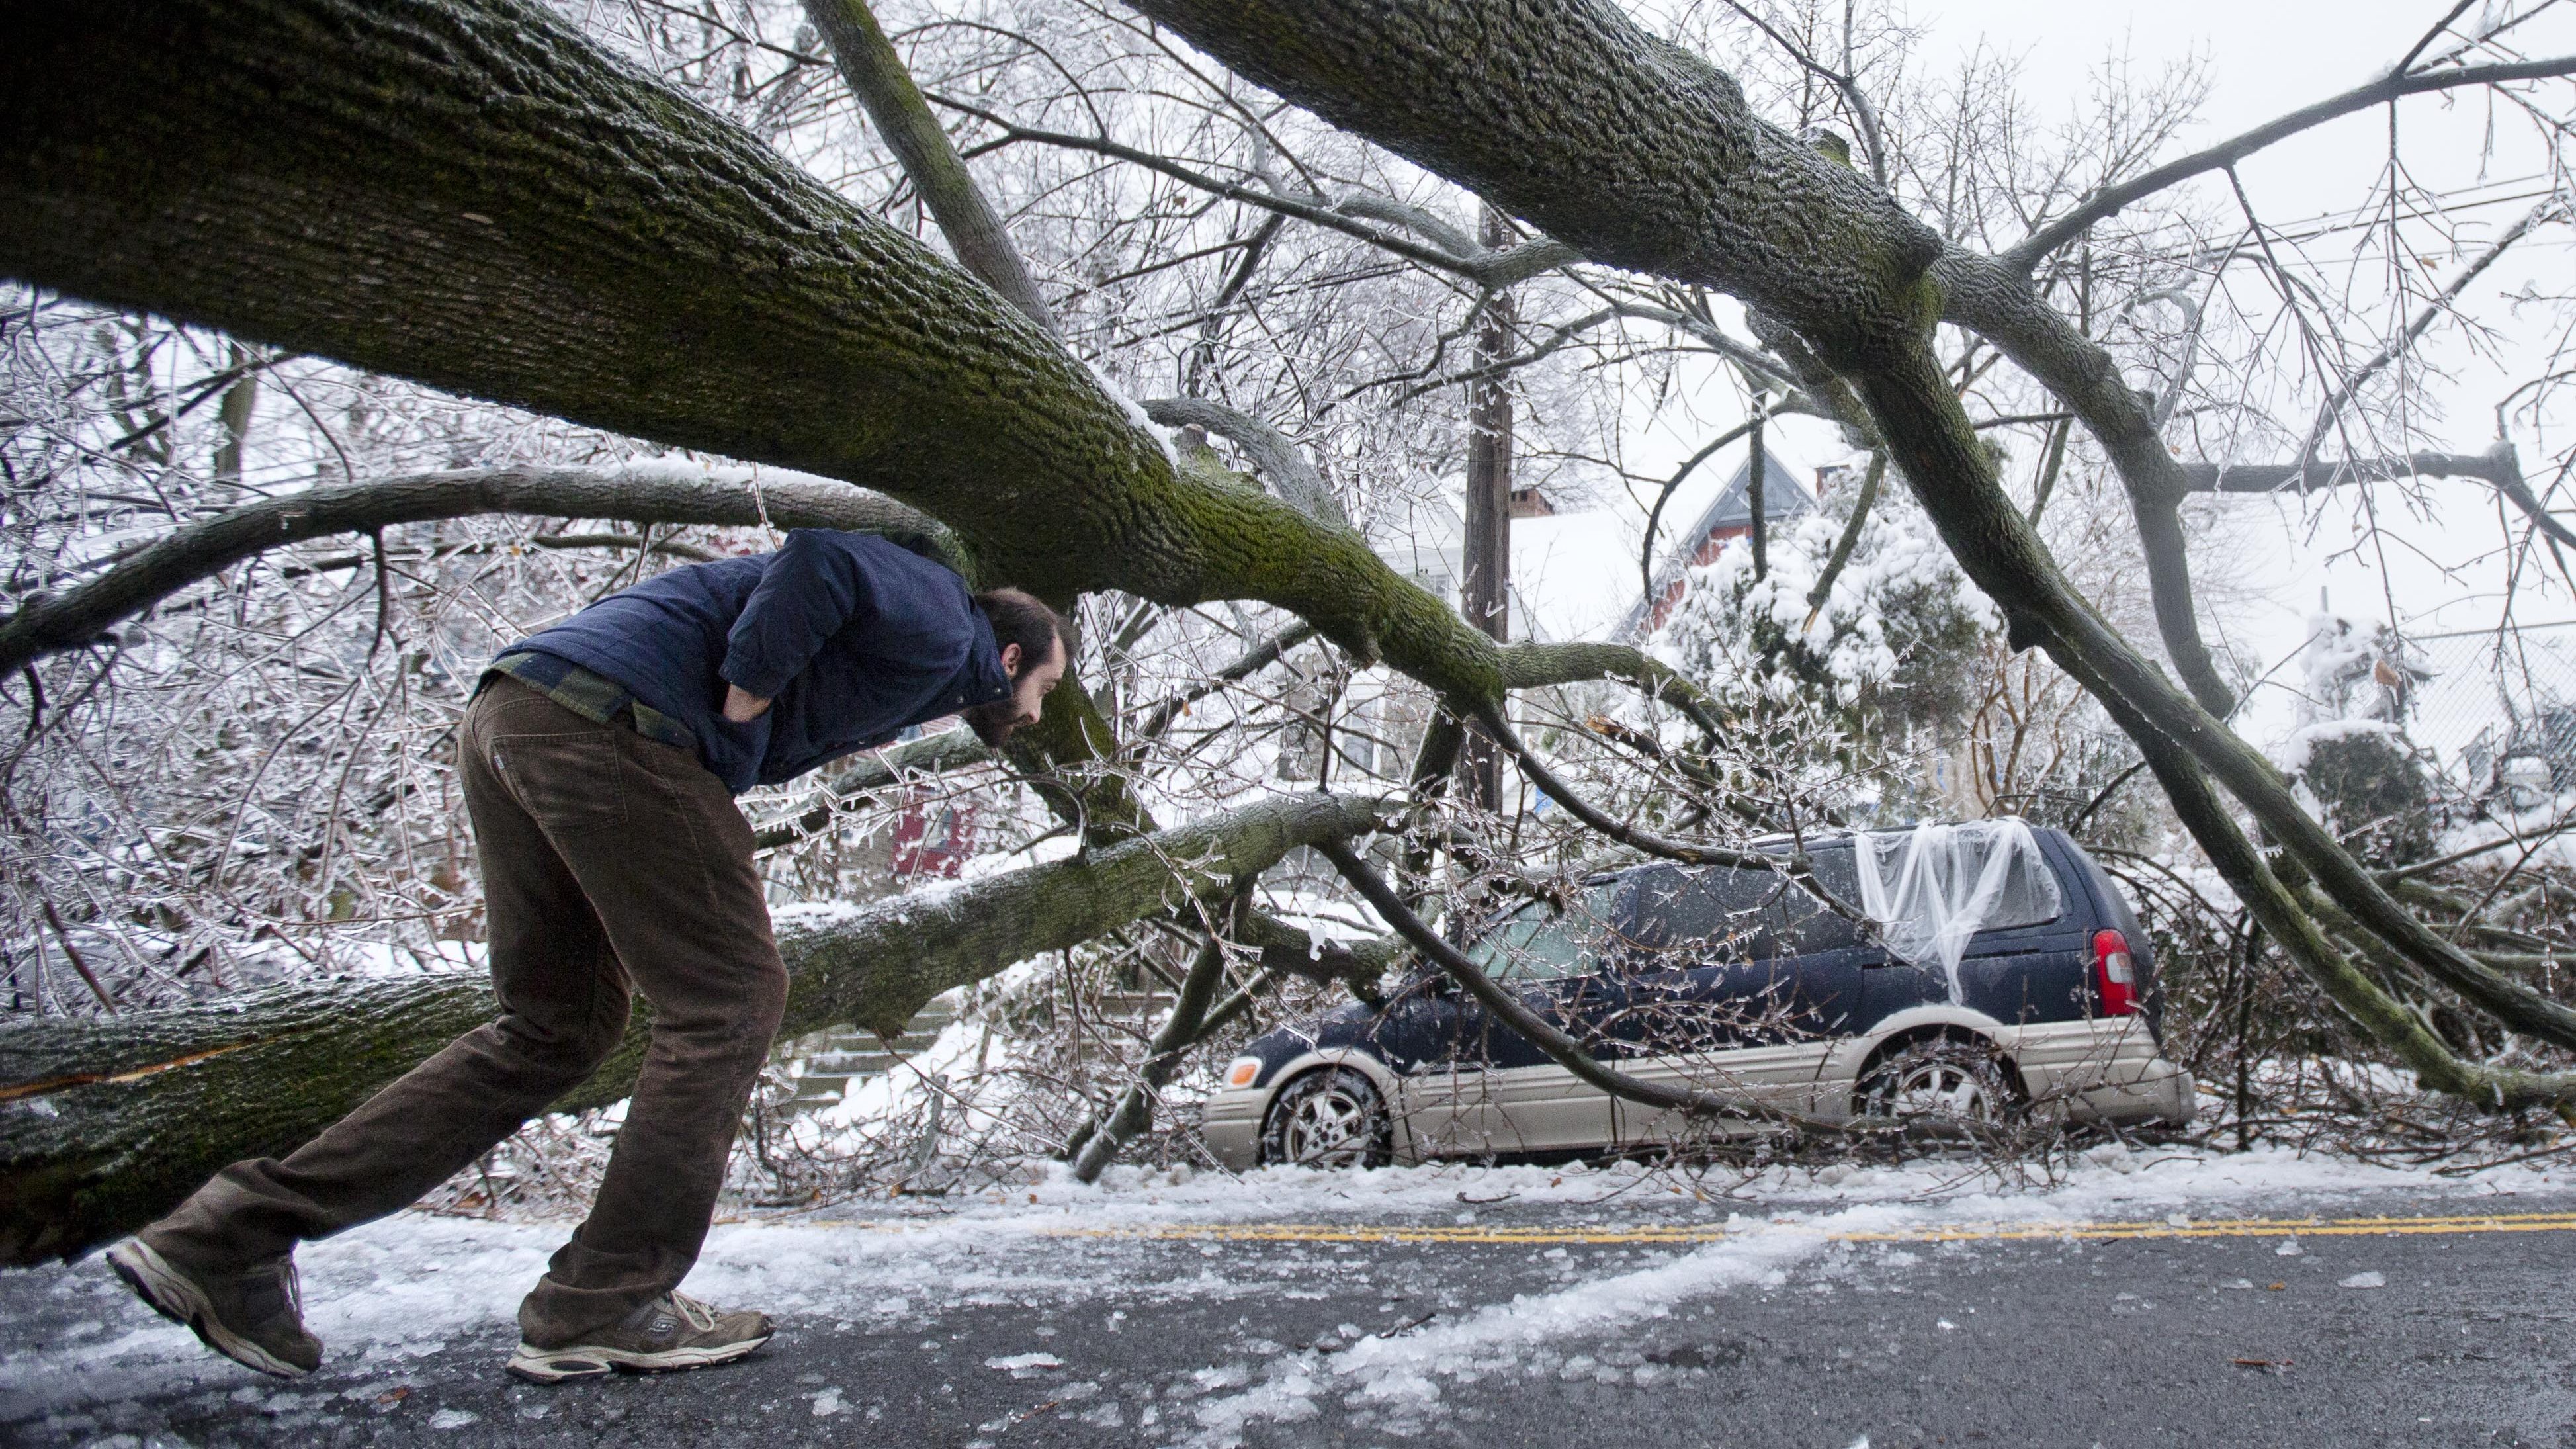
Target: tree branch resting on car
[{"x": 1561, "y": 1048}]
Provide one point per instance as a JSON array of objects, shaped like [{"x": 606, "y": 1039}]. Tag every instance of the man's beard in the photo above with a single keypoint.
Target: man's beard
[{"x": 993, "y": 722}]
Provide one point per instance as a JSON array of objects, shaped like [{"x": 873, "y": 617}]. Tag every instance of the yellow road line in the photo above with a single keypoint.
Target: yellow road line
[{"x": 1939, "y": 1233}]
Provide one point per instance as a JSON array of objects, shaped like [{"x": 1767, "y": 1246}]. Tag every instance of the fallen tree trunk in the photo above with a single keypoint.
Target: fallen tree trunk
[
  {"x": 106, "y": 1124},
  {"x": 469, "y": 194}
]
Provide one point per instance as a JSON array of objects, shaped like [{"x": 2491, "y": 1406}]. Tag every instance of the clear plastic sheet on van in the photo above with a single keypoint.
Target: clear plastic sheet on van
[{"x": 1933, "y": 887}]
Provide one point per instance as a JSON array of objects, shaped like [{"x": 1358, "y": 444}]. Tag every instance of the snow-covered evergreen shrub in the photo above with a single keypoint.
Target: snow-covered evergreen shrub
[{"x": 1886, "y": 663}]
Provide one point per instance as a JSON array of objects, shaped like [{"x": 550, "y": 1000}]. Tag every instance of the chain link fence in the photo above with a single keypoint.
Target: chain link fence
[{"x": 2494, "y": 708}]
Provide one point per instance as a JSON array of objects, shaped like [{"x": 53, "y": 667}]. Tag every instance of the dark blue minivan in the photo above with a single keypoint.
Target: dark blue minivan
[{"x": 1734, "y": 981}]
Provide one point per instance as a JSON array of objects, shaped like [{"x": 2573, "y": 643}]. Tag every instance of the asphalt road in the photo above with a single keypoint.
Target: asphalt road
[{"x": 2467, "y": 1337}]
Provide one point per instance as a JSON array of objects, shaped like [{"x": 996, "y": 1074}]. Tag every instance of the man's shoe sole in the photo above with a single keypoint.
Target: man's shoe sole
[
  {"x": 561, "y": 1365},
  {"x": 172, "y": 1295}
]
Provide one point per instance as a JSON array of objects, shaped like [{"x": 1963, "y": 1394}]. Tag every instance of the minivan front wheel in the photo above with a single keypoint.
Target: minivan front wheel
[
  {"x": 1329, "y": 1118},
  {"x": 1940, "y": 1079}
]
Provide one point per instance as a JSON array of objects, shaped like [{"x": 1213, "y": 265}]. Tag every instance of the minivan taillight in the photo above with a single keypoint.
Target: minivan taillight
[{"x": 2115, "y": 974}]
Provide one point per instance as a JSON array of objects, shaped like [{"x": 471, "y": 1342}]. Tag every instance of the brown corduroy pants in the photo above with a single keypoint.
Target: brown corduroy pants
[{"x": 608, "y": 861}]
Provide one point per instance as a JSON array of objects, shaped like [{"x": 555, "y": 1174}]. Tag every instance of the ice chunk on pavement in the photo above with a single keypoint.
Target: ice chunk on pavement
[
  {"x": 2289, "y": 1248},
  {"x": 452, "y": 1419},
  {"x": 2366, "y": 1280},
  {"x": 1023, "y": 1362},
  {"x": 827, "y": 1403}
]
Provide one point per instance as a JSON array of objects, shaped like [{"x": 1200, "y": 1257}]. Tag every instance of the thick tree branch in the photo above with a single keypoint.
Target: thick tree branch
[
  {"x": 637, "y": 493},
  {"x": 378, "y": 182},
  {"x": 1532, "y": 665},
  {"x": 1273, "y": 456},
  {"x": 1999, "y": 305},
  {"x": 1516, "y": 100},
  {"x": 975, "y": 233}
]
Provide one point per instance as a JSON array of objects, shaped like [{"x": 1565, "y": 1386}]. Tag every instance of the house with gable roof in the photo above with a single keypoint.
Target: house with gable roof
[{"x": 1728, "y": 518}]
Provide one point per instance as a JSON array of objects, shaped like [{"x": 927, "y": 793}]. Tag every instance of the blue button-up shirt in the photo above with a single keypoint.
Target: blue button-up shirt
[{"x": 851, "y": 637}]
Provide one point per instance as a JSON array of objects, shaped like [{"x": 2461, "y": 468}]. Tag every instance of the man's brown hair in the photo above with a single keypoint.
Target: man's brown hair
[{"x": 1019, "y": 617}]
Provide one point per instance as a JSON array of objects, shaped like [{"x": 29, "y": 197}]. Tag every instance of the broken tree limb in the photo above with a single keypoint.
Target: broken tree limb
[
  {"x": 106, "y": 1124},
  {"x": 639, "y": 493}
]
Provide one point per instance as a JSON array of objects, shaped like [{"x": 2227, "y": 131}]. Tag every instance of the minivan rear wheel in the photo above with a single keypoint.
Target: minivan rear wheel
[
  {"x": 1940, "y": 1079},
  {"x": 1329, "y": 1118}
]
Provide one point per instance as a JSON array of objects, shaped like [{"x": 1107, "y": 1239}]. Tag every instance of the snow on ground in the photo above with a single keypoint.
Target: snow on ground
[{"x": 403, "y": 1288}]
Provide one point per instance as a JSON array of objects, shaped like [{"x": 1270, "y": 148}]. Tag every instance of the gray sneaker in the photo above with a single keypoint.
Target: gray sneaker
[
  {"x": 254, "y": 1318},
  {"x": 674, "y": 1331}
]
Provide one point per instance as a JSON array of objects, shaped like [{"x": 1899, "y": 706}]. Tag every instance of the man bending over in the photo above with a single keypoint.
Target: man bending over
[{"x": 599, "y": 761}]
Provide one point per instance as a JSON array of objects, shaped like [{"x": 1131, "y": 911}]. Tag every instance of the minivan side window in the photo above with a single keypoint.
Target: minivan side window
[
  {"x": 1675, "y": 915},
  {"x": 1538, "y": 942}
]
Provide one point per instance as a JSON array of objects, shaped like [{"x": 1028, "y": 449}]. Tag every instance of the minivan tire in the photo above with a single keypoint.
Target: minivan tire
[
  {"x": 1334, "y": 1117},
  {"x": 1941, "y": 1079}
]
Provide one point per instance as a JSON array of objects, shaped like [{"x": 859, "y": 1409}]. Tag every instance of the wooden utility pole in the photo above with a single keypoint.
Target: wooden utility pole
[{"x": 1485, "y": 552}]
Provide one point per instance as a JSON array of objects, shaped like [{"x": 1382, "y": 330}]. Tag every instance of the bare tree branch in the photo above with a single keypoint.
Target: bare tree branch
[
  {"x": 2025, "y": 255},
  {"x": 649, "y": 493},
  {"x": 1271, "y": 452},
  {"x": 2440, "y": 305}
]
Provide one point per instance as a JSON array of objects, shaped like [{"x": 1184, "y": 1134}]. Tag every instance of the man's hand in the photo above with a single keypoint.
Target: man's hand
[{"x": 740, "y": 707}]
